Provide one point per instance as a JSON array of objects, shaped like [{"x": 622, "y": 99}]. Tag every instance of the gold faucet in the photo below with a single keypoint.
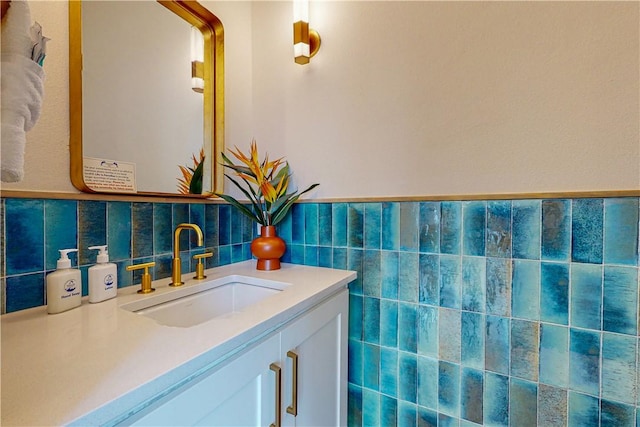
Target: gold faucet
[{"x": 176, "y": 275}]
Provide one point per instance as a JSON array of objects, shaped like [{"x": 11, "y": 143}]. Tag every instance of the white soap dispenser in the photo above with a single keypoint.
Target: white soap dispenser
[
  {"x": 64, "y": 286},
  {"x": 103, "y": 277}
]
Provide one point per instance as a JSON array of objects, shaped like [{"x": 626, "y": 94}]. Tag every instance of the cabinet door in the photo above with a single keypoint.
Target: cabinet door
[
  {"x": 240, "y": 393},
  {"x": 319, "y": 341}
]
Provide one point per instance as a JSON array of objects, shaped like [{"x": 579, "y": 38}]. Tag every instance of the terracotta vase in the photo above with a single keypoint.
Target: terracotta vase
[{"x": 268, "y": 248}]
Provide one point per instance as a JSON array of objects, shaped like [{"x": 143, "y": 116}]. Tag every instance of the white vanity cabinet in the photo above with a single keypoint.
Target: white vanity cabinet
[{"x": 246, "y": 390}]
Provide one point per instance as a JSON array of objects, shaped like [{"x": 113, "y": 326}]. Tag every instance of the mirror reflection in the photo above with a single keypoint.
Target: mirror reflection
[{"x": 142, "y": 126}]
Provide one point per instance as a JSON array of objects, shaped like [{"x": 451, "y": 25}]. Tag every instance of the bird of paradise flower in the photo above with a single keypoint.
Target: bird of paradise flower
[
  {"x": 266, "y": 183},
  {"x": 191, "y": 181}
]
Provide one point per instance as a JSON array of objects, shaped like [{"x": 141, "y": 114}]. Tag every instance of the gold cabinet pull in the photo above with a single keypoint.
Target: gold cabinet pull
[
  {"x": 293, "y": 408},
  {"x": 276, "y": 369}
]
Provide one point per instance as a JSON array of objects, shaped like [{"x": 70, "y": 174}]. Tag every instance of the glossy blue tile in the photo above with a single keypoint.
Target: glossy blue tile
[
  {"x": 407, "y": 325},
  {"x": 237, "y": 253},
  {"x": 372, "y": 225},
  {"x": 389, "y": 272},
  {"x": 224, "y": 225},
  {"x": 388, "y": 323},
  {"x": 620, "y": 304},
  {"x": 587, "y": 230},
  {"x": 355, "y": 225},
  {"x": 427, "y": 418},
  {"x": 408, "y": 269},
  {"x": 181, "y": 215},
  {"x": 311, "y": 255},
  {"x": 142, "y": 230},
  {"x": 249, "y": 227},
  {"x": 471, "y": 389},
  {"x": 371, "y": 366},
  {"x": 473, "y": 227},
  {"x": 525, "y": 289},
  {"x": 619, "y": 368},
  {"x": 356, "y": 316},
  {"x": 211, "y": 236},
  {"x": 296, "y": 252},
  {"x": 614, "y": 414},
  {"x": 388, "y": 411},
  {"x": 427, "y": 386},
  {"x": 389, "y": 371},
  {"x": 472, "y": 340},
  {"x": 408, "y": 383},
  {"x": 60, "y": 229},
  {"x": 429, "y": 279},
  {"x": 449, "y": 326},
  {"x": 325, "y": 257},
  {"x": 474, "y": 283},
  {"x": 119, "y": 230},
  {"x": 427, "y": 331},
  {"x": 554, "y": 293},
  {"x": 447, "y": 421},
  {"x": 407, "y": 413},
  {"x": 523, "y": 402},
  {"x": 497, "y": 344},
  {"x": 224, "y": 254},
  {"x": 354, "y": 405},
  {"x": 311, "y": 232},
  {"x": 285, "y": 229},
  {"x": 371, "y": 276},
  {"x": 370, "y": 408},
  {"x": 584, "y": 363},
  {"x": 584, "y": 410},
  {"x": 325, "y": 220},
  {"x": 197, "y": 216},
  {"x": 92, "y": 229},
  {"x": 498, "y": 286},
  {"x": 162, "y": 228},
  {"x": 339, "y": 224},
  {"x": 554, "y": 355},
  {"x": 450, "y": 227},
  {"x": 527, "y": 217},
  {"x": 164, "y": 266},
  {"x": 496, "y": 399},
  {"x": 409, "y": 226},
  {"x": 621, "y": 231},
  {"x": 450, "y": 281},
  {"x": 297, "y": 224},
  {"x": 429, "y": 227},
  {"x": 25, "y": 291},
  {"x": 391, "y": 226},
  {"x": 371, "y": 320},
  {"x": 586, "y": 296},
  {"x": 340, "y": 256},
  {"x": 552, "y": 406},
  {"x": 524, "y": 349},
  {"x": 355, "y": 258},
  {"x": 449, "y": 388},
  {"x": 556, "y": 230},
  {"x": 499, "y": 229},
  {"x": 355, "y": 361}
]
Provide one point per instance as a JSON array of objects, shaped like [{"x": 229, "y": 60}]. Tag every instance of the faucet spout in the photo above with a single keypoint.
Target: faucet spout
[{"x": 176, "y": 274}]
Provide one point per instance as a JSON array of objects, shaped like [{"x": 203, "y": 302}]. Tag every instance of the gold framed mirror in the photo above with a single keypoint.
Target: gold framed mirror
[{"x": 135, "y": 117}]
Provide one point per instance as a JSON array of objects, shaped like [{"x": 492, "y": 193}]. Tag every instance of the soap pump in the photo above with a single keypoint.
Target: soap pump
[
  {"x": 64, "y": 286},
  {"x": 103, "y": 277}
]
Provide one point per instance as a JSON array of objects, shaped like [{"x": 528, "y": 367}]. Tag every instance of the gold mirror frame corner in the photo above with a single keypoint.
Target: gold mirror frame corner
[{"x": 213, "y": 95}]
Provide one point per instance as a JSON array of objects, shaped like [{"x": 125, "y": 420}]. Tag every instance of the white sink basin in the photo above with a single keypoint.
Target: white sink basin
[{"x": 196, "y": 303}]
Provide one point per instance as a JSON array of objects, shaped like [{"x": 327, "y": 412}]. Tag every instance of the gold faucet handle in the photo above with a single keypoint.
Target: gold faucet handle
[
  {"x": 200, "y": 265},
  {"x": 146, "y": 277}
]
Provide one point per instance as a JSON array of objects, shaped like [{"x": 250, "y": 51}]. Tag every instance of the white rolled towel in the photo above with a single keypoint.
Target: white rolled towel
[{"x": 22, "y": 91}]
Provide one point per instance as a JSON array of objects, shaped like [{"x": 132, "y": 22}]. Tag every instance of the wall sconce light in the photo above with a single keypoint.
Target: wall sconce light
[
  {"x": 197, "y": 60},
  {"x": 306, "y": 41}
]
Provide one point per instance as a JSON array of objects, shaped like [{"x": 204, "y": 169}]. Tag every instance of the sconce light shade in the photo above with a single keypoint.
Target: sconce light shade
[
  {"x": 306, "y": 41},
  {"x": 197, "y": 60}
]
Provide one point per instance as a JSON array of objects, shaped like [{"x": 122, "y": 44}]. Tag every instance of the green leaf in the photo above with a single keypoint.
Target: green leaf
[
  {"x": 281, "y": 212},
  {"x": 195, "y": 187},
  {"x": 242, "y": 208}
]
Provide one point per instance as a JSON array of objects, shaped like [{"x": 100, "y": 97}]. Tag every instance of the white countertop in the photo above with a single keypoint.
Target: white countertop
[{"x": 101, "y": 360}]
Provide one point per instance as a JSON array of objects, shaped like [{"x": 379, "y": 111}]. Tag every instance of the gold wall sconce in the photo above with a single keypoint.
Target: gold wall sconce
[
  {"x": 306, "y": 41},
  {"x": 197, "y": 60}
]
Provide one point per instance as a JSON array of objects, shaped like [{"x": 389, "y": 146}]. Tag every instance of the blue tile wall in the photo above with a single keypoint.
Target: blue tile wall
[
  {"x": 499, "y": 313},
  {"x": 33, "y": 230}
]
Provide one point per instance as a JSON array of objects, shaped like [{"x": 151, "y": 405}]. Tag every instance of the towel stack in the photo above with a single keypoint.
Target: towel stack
[{"x": 22, "y": 89}]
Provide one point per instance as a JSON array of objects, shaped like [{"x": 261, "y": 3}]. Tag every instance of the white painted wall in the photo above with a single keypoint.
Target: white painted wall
[{"x": 412, "y": 98}]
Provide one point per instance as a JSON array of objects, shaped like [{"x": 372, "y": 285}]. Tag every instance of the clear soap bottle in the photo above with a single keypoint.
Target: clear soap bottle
[
  {"x": 103, "y": 277},
  {"x": 64, "y": 286}
]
